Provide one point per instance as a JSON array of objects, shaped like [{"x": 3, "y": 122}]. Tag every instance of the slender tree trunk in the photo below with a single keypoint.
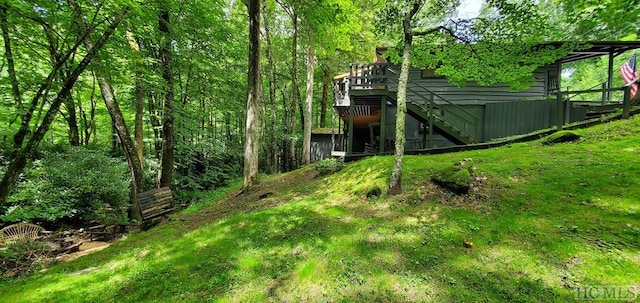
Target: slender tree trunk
[
  {"x": 326, "y": 82},
  {"x": 273, "y": 151},
  {"x": 168, "y": 139},
  {"x": 308, "y": 103},
  {"x": 8, "y": 53},
  {"x": 21, "y": 155},
  {"x": 292, "y": 164},
  {"x": 253, "y": 99},
  {"x": 69, "y": 104},
  {"x": 395, "y": 184},
  {"x": 43, "y": 90},
  {"x": 72, "y": 122},
  {"x": 155, "y": 125},
  {"x": 135, "y": 165},
  {"x": 138, "y": 123},
  {"x": 88, "y": 123},
  {"x": 120, "y": 126}
]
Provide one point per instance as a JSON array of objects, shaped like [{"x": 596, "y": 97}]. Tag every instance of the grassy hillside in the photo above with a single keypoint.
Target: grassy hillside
[{"x": 544, "y": 221}]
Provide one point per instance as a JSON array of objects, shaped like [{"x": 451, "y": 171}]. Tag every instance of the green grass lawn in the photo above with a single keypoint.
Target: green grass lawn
[{"x": 544, "y": 223}]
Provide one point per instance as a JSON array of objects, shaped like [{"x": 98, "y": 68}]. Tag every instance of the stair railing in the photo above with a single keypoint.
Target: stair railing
[{"x": 470, "y": 122}]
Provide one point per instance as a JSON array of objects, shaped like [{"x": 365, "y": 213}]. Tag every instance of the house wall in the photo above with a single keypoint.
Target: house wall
[
  {"x": 320, "y": 147},
  {"x": 498, "y": 120},
  {"x": 519, "y": 117},
  {"x": 471, "y": 93}
]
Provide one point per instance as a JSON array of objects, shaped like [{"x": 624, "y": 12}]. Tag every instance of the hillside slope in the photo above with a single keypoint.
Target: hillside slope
[{"x": 542, "y": 224}]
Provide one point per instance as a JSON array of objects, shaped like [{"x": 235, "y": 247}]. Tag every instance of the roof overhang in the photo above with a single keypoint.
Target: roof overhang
[{"x": 592, "y": 49}]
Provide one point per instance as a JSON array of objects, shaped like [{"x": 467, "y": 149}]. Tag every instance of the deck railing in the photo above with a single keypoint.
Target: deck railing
[
  {"x": 368, "y": 76},
  {"x": 563, "y": 99}
]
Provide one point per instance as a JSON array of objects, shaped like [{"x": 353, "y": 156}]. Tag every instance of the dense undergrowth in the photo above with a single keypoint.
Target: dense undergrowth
[{"x": 540, "y": 224}]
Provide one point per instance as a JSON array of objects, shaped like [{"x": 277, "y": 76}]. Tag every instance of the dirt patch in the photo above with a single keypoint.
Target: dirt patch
[
  {"x": 271, "y": 192},
  {"x": 478, "y": 198},
  {"x": 86, "y": 248}
]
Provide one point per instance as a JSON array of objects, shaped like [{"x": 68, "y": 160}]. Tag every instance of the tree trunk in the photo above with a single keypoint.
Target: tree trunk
[
  {"x": 326, "y": 82},
  {"x": 292, "y": 164},
  {"x": 308, "y": 102},
  {"x": 88, "y": 124},
  {"x": 168, "y": 139},
  {"x": 395, "y": 184},
  {"x": 119, "y": 123},
  {"x": 253, "y": 99},
  {"x": 69, "y": 104},
  {"x": 138, "y": 123},
  {"x": 21, "y": 155},
  {"x": 120, "y": 126},
  {"x": 72, "y": 122},
  {"x": 8, "y": 53},
  {"x": 155, "y": 125},
  {"x": 273, "y": 150}
]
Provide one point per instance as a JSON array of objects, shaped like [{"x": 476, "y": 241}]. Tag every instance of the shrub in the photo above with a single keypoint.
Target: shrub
[
  {"x": 329, "y": 166},
  {"x": 78, "y": 185},
  {"x": 204, "y": 166}
]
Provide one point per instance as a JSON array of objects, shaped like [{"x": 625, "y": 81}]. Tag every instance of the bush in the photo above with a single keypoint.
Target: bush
[
  {"x": 329, "y": 166},
  {"x": 204, "y": 166},
  {"x": 78, "y": 185}
]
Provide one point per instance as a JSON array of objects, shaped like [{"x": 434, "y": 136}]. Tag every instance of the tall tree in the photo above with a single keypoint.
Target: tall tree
[
  {"x": 168, "y": 136},
  {"x": 272, "y": 147},
  {"x": 291, "y": 143},
  {"x": 8, "y": 52},
  {"x": 253, "y": 98},
  {"x": 117, "y": 119},
  {"x": 448, "y": 45},
  {"x": 395, "y": 184},
  {"x": 139, "y": 96},
  {"x": 308, "y": 102},
  {"x": 23, "y": 152}
]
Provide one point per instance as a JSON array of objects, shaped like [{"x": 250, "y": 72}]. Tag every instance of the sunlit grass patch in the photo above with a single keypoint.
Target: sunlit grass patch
[{"x": 543, "y": 221}]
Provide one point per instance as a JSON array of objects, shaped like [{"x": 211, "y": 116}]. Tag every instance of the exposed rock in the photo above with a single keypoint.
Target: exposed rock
[{"x": 456, "y": 178}]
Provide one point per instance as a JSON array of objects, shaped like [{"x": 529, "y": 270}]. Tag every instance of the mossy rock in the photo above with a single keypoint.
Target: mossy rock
[
  {"x": 456, "y": 178},
  {"x": 561, "y": 137}
]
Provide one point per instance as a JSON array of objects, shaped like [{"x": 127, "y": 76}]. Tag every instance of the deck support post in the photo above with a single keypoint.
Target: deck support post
[
  {"x": 626, "y": 102},
  {"x": 431, "y": 117},
  {"x": 383, "y": 122},
  {"x": 559, "y": 109},
  {"x": 567, "y": 109},
  {"x": 350, "y": 129},
  {"x": 610, "y": 78}
]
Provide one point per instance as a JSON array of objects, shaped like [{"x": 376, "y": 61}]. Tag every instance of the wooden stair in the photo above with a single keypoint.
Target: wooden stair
[{"x": 420, "y": 113}]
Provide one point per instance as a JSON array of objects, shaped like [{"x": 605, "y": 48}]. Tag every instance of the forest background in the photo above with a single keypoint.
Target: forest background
[{"x": 105, "y": 99}]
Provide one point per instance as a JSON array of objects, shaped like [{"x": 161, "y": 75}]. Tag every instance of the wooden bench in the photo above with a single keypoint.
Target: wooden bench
[{"x": 153, "y": 205}]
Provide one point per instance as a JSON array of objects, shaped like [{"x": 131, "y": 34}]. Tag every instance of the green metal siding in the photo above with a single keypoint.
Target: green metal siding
[
  {"x": 321, "y": 146},
  {"x": 472, "y": 93},
  {"x": 514, "y": 118}
]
